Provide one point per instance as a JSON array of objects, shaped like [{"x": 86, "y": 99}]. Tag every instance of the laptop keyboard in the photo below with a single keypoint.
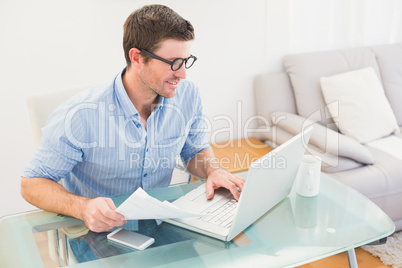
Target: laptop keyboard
[{"x": 222, "y": 213}]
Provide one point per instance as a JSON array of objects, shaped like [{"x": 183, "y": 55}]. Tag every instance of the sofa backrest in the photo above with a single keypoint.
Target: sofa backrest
[
  {"x": 301, "y": 92},
  {"x": 389, "y": 58},
  {"x": 305, "y": 71},
  {"x": 273, "y": 92}
]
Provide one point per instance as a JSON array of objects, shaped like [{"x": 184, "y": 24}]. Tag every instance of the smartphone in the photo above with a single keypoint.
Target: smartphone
[{"x": 131, "y": 239}]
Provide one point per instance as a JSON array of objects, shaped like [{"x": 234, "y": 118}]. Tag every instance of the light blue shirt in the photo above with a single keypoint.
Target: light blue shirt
[{"x": 96, "y": 143}]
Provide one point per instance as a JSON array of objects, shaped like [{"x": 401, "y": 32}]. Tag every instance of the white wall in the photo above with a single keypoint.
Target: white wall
[{"x": 51, "y": 44}]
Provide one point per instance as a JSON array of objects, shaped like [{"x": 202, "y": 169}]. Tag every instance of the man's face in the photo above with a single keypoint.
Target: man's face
[{"x": 157, "y": 76}]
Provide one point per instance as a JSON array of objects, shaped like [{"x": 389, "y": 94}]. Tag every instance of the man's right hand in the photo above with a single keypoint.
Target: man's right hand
[{"x": 99, "y": 215}]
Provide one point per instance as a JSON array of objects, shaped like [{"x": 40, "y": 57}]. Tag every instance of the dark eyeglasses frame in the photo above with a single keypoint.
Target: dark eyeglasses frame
[{"x": 171, "y": 63}]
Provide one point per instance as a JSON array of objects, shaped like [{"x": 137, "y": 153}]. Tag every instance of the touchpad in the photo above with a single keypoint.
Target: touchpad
[{"x": 218, "y": 194}]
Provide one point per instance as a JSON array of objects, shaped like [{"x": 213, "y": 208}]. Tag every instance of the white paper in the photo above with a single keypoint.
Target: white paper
[{"x": 141, "y": 206}]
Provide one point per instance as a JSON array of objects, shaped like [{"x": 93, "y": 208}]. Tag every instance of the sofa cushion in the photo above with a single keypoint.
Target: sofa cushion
[
  {"x": 380, "y": 182},
  {"x": 391, "y": 145},
  {"x": 358, "y": 105},
  {"x": 305, "y": 71},
  {"x": 389, "y": 58}
]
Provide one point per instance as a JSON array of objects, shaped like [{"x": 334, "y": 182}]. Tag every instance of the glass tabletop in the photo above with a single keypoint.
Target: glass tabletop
[{"x": 296, "y": 231}]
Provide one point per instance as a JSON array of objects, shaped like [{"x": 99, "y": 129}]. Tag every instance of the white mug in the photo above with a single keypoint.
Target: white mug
[{"x": 308, "y": 176}]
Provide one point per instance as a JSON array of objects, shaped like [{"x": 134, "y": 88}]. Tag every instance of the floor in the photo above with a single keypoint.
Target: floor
[{"x": 364, "y": 260}]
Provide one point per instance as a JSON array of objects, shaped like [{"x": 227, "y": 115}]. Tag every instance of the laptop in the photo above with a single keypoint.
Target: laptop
[{"x": 269, "y": 180}]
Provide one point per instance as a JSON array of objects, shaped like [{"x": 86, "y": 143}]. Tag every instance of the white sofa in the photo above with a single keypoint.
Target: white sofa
[{"x": 290, "y": 101}]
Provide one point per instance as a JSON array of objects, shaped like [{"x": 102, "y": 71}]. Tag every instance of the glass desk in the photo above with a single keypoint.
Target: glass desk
[{"x": 298, "y": 230}]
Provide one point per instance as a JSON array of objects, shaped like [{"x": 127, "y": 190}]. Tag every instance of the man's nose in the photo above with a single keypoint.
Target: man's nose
[{"x": 181, "y": 73}]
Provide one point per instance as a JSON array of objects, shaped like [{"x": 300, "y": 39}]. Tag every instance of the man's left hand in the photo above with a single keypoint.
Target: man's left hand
[{"x": 221, "y": 178}]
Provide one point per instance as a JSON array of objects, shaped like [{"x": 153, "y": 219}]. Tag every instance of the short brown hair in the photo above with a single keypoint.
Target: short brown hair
[{"x": 148, "y": 26}]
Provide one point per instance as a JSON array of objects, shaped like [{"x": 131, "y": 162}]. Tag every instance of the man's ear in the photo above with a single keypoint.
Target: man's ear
[{"x": 134, "y": 55}]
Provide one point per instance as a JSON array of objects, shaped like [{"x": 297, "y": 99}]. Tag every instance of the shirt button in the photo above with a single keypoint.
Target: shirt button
[
  {"x": 147, "y": 149},
  {"x": 145, "y": 175}
]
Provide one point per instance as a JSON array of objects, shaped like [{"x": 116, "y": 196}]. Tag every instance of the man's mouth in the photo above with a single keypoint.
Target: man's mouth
[{"x": 174, "y": 83}]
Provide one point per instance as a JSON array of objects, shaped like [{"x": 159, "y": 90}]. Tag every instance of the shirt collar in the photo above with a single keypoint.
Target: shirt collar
[
  {"x": 125, "y": 102},
  {"x": 122, "y": 97},
  {"x": 161, "y": 102}
]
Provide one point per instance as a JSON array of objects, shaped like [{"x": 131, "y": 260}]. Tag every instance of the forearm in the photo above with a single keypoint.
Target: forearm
[
  {"x": 98, "y": 213},
  {"x": 51, "y": 196},
  {"x": 203, "y": 164}
]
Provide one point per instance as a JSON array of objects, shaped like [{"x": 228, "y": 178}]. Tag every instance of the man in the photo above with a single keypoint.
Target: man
[{"x": 127, "y": 134}]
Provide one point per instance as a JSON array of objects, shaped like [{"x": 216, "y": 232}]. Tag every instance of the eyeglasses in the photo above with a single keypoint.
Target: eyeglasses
[{"x": 176, "y": 63}]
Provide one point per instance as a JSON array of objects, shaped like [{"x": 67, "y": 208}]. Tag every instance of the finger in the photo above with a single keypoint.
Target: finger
[
  {"x": 235, "y": 185},
  {"x": 104, "y": 218},
  {"x": 209, "y": 189},
  {"x": 113, "y": 218},
  {"x": 234, "y": 191},
  {"x": 106, "y": 226},
  {"x": 96, "y": 224},
  {"x": 111, "y": 213},
  {"x": 240, "y": 178},
  {"x": 99, "y": 227},
  {"x": 98, "y": 215},
  {"x": 110, "y": 203},
  {"x": 239, "y": 181},
  {"x": 106, "y": 223}
]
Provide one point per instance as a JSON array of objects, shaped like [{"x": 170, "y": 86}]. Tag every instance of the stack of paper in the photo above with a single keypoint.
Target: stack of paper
[{"x": 141, "y": 206}]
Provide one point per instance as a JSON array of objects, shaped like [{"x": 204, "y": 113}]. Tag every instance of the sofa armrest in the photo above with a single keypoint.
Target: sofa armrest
[
  {"x": 325, "y": 139},
  {"x": 330, "y": 162}
]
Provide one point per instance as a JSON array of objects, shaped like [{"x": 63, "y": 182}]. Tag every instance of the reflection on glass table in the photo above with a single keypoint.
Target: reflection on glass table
[
  {"x": 296, "y": 231},
  {"x": 76, "y": 244}
]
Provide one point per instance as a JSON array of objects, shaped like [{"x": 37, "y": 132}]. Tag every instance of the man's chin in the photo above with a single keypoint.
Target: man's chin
[
  {"x": 170, "y": 91},
  {"x": 171, "y": 95}
]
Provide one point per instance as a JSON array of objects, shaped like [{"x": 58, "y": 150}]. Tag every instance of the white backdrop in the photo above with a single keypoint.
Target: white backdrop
[{"x": 51, "y": 44}]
